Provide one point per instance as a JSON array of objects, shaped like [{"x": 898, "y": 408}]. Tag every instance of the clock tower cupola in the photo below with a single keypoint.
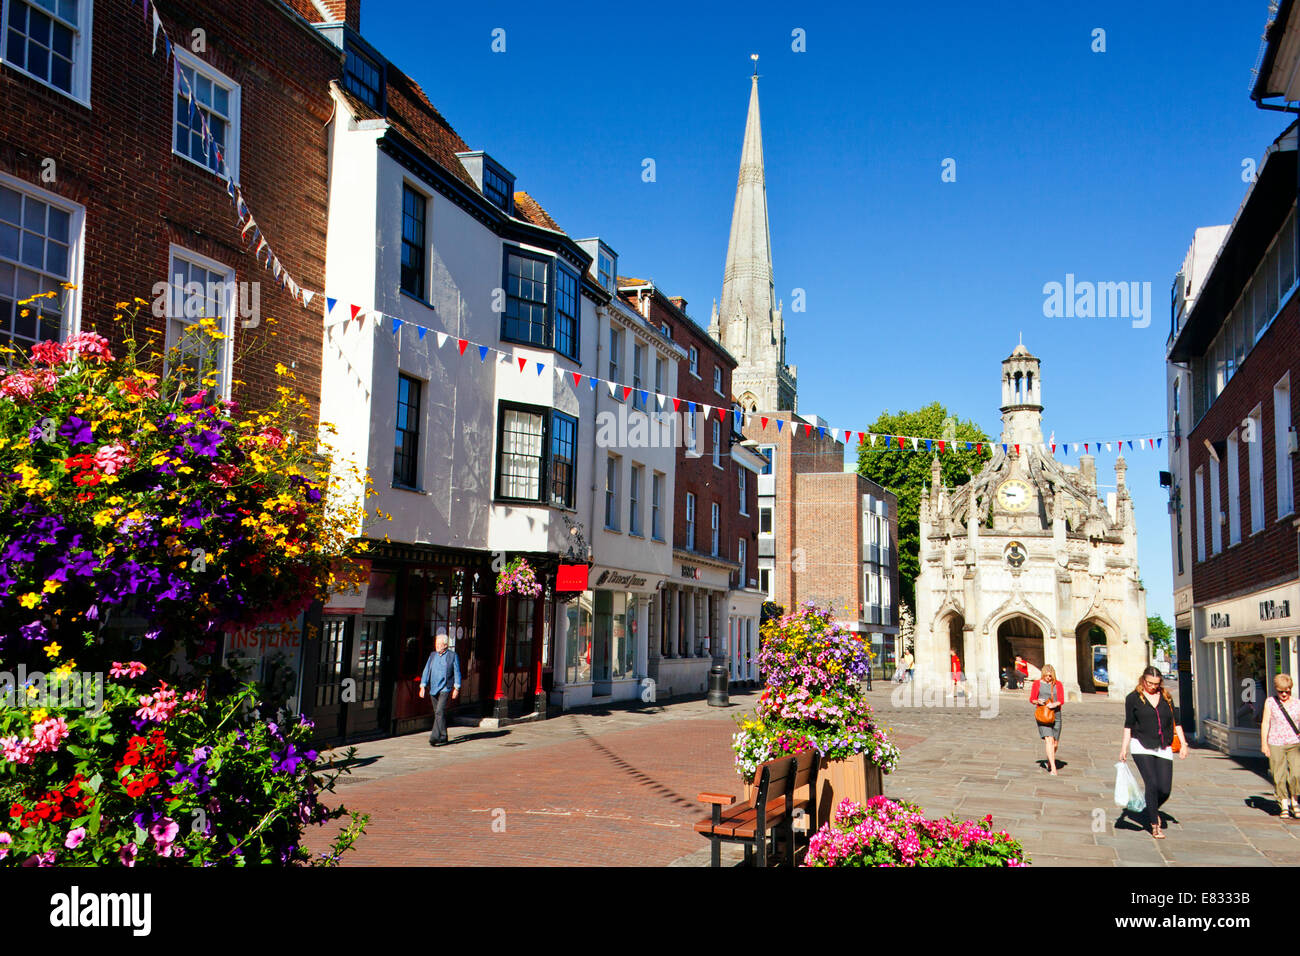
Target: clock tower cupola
[{"x": 1022, "y": 398}]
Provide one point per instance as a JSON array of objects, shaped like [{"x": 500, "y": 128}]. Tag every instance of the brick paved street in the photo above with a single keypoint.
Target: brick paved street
[{"x": 619, "y": 787}]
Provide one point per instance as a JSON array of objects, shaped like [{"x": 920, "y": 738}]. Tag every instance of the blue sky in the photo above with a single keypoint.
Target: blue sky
[{"x": 1067, "y": 161}]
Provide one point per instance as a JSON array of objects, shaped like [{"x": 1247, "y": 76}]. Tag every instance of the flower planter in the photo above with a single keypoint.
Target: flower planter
[{"x": 851, "y": 778}]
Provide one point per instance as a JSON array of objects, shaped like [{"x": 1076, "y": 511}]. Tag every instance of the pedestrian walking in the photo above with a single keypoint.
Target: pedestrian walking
[
  {"x": 441, "y": 677},
  {"x": 908, "y": 661},
  {"x": 955, "y": 664},
  {"x": 1152, "y": 731},
  {"x": 1048, "y": 692},
  {"x": 1279, "y": 738}
]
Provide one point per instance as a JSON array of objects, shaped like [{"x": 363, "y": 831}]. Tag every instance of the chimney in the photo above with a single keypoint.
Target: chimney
[
  {"x": 348, "y": 11},
  {"x": 678, "y": 301}
]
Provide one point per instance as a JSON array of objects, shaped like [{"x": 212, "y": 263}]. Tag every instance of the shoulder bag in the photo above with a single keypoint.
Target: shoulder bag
[
  {"x": 1043, "y": 714},
  {"x": 1294, "y": 730}
]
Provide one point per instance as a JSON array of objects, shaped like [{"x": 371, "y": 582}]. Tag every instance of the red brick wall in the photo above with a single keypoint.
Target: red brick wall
[
  {"x": 699, "y": 476},
  {"x": 828, "y": 510},
  {"x": 116, "y": 160},
  {"x": 1269, "y": 556}
]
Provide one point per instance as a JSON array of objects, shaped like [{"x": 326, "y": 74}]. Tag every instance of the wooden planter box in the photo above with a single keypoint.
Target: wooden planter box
[{"x": 853, "y": 778}]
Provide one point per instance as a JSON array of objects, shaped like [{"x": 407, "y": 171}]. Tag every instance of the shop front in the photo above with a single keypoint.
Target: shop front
[
  {"x": 1240, "y": 645},
  {"x": 600, "y": 636},
  {"x": 744, "y": 609},
  {"x": 691, "y": 625}
]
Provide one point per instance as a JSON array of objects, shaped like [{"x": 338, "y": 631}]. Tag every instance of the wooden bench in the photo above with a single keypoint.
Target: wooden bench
[{"x": 770, "y": 811}]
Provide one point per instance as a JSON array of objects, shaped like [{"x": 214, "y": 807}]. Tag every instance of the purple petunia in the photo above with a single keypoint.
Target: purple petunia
[{"x": 77, "y": 431}]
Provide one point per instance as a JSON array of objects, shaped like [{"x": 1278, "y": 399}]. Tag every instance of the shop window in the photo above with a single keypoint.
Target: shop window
[
  {"x": 577, "y": 641},
  {"x": 1249, "y": 681},
  {"x": 520, "y": 614}
]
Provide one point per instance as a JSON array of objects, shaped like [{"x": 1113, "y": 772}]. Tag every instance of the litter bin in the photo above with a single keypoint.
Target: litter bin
[{"x": 718, "y": 681}]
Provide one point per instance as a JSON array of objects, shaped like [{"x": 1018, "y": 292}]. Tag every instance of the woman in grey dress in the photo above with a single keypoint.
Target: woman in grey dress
[{"x": 1048, "y": 690}]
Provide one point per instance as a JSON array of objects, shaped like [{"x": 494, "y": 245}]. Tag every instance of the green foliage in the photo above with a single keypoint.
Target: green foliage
[
  {"x": 1160, "y": 634},
  {"x": 907, "y": 473}
]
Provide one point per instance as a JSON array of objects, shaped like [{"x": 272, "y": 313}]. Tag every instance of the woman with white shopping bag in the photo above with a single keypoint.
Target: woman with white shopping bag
[{"x": 1153, "y": 733}]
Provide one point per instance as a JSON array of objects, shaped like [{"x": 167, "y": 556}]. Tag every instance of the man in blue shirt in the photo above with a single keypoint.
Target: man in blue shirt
[{"x": 441, "y": 678}]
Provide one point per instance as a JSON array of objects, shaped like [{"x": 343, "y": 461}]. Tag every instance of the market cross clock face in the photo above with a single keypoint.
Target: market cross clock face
[{"x": 1014, "y": 495}]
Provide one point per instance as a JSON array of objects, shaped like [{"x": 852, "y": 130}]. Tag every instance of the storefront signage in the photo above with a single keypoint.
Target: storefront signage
[
  {"x": 612, "y": 579},
  {"x": 571, "y": 577},
  {"x": 1273, "y": 610},
  {"x": 690, "y": 572},
  {"x": 1219, "y": 619}
]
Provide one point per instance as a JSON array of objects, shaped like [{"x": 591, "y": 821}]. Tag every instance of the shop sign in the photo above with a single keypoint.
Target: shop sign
[
  {"x": 571, "y": 577},
  {"x": 1219, "y": 619},
  {"x": 1273, "y": 610},
  {"x": 690, "y": 572},
  {"x": 620, "y": 579}
]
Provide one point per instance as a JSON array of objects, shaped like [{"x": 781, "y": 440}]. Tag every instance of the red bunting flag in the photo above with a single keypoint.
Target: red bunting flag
[
  {"x": 763, "y": 420},
  {"x": 462, "y": 344},
  {"x": 522, "y": 363},
  {"x": 1017, "y": 449},
  {"x": 807, "y": 430},
  {"x": 677, "y": 404},
  {"x": 941, "y": 446},
  {"x": 577, "y": 378},
  {"x": 355, "y": 309},
  {"x": 1053, "y": 448},
  {"x": 627, "y": 390},
  {"x": 722, "y": 414},
  {"x": 979, "y": 447},
  {"x": 900, "y": 441}
]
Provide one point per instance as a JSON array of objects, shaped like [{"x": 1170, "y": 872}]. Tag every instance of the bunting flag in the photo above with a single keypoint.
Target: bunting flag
[
  {"x": 593, "y": 382},
  {"x": 807, "y": 430},
  {"x": 397, "y": 324},
  {"x": 461, "y": 344},
  {"x": 740, "y": 416},
  {"x": 779, "y": 423},
  {"x": 661, "y": 398},
  {"x": 613, "y": 389},
  {"x": 821, "y": 431},
  {"x": 329, "y": 303},
  {"x": 540, "y": 369},
  {"x": 482, "y": 353},
  {"x": 900, "y": 441},
  {"x": 677, "y": 404},
  {"x": 423, "y": 330},
  {"x": 1085, "y": 448},
  {"x": 1004, "y": 448},
  {"x": 764, "y": 421},
  {"x": 941, "y": 446},
  {"x": 1017, "y": 451},
  {"x": 1053, "y": 448},
  {"x": 873, "y": 441},
  {"x": 927, "y": 445},
  {"x": 915, "y": 443},
  {"x": 645, "y": 398}
]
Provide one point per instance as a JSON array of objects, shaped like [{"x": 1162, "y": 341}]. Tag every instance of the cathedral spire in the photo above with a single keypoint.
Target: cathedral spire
[{"x": 748, "y": 322}]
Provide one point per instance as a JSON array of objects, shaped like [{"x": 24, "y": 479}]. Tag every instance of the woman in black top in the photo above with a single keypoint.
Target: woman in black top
[{"x": 1150, "y": 724}]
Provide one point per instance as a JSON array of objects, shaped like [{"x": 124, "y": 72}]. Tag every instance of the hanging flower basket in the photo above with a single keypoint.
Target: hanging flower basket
[{"x": 518, "y": 578}]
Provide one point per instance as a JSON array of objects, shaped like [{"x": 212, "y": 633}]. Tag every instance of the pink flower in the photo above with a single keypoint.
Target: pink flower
[
  {"x": 273, "y": 437},
  {"x": 127, "y": 855},
  {"x": 89, "y": 345},
  {"x": 5, "y": 841},
  {"x": 158, "y": 705},
  {"x": 225, "y": 474},
  {"x": 163, "y": 833},
  {"x": 15, "y": 750},
  {"x": 74, "y": 838},
  {"x": 18, "y": 385},
  {"x": 49, "y": 352},
  {"x": 110, "y": 459},
  {"x": 48, "y": 734},
  {"x": 129, "y": 669}
]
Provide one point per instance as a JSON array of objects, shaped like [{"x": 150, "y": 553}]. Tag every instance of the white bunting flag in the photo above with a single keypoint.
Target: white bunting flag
[
  {"x": 1108, "y": 446},
  {"x": 442, "y": 339},
  {"x": 157, "y": 25},
  {"x": 873, "y": 440},
  {"x": 835, "y": 434},
  {"x": 708, "y": 410},
  {"x": 306, "y": 296},
  {"x": 613, "y": 389},
  {"x": 914, "y": 442},
  {"x": 661, "y": 398},
  {"x": 1076, "y": 446}
]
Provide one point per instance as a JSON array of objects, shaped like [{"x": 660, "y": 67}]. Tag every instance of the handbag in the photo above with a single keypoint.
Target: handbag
[{"x": 1045, "y": 715}]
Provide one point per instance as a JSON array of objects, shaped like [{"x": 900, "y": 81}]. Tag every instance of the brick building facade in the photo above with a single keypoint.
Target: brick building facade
[
  {"x": 1241, "y": 344},
  {"x": 826, "y": 535},
  {"x": 715, "y": 521},
  {"x": 90, "y": 145}
]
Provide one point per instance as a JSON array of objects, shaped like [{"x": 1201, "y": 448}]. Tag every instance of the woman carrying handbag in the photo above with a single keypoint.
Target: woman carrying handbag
[
  {"x": 1279, "y": 738},
  {"x": 1048, "y": 697},
  {"x": 1152, "y": 730}
]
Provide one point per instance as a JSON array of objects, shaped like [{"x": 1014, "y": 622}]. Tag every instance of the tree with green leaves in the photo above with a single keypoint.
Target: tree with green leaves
[
  {"x": 1160, "y": 634},
  {"x": 907, "y": 473}
]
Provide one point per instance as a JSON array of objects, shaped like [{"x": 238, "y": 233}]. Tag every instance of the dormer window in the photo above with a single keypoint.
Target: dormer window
[
  {"x": 497, "y": 189},
  {"x": 363, "y": 78},
  {"x": 605, "y": 270}
]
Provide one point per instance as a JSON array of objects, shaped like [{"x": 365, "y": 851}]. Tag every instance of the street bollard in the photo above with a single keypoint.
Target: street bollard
[{"x": 718, "y": 686}]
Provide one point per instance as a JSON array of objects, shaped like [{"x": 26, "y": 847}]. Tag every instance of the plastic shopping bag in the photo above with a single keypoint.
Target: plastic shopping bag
[{"x": 1128, "y": 792}]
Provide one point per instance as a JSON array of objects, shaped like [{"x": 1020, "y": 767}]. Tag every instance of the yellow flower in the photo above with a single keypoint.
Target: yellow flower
[
  {"x": 52, "y": 585},
  {"x": 52, "y": 649},
  {"x": 64, "y": 670},
  {"x": 30, "y": 600},
  {"x": 39, "y": 714}
]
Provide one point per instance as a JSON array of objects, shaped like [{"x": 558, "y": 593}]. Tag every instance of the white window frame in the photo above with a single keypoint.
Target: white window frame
[
  {"x": 1234, "y": 491},
  {"x": 1255, "y": 470},
  {"x": 76, "y": 247},
  {"x": 715, "y": 520},
  {"x": 656, "y": 506},
  {"x": 634, "y": 500},
  {"x": 695, "y": 361},
  {"x": 717, "y": 379},
  {"x": 174, "y": 252},
  {"x": 717, "y": 443},
  {"x": 691, "y": 435},
  {"x": 744, "y": 490},
  {"x": 613, "y": 478},
  {"x": 1281, "y": 457},
  {"x": 231, "y": 154},
  {"x": 1216, "y": 526},
  {"x": 638, "y": 353},
  {"x": 659, "y": 374},
  {"x": 690, "y": 521},
  {"x": 82, "y": 51},
  {"x": 615, "y": 353},
  {"x": 1200, "y": 513},
  {"x": 741, "y": 557}
]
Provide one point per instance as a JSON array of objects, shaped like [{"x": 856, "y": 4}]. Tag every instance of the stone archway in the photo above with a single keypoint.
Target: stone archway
[
  {"x": 1021, "y": 636},
  {"x": 954, "y": 628},
  {"x": 1092, "y": 649}
]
